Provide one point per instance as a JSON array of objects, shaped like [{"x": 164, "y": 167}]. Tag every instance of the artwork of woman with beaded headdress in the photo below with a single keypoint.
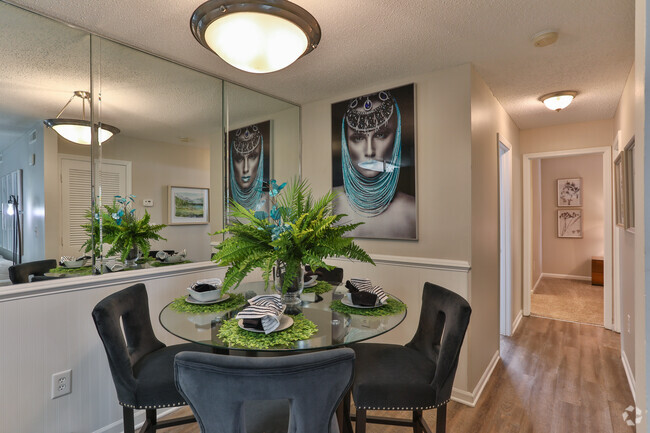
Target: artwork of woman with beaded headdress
[
  {"x": 247, "y": 166},
  {"x": 371, "y": 161}
]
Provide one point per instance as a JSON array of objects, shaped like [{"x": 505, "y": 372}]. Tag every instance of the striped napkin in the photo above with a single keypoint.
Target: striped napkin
[
  {"x": 264, "y": 310},
  {"x": 356, "y": 285}
]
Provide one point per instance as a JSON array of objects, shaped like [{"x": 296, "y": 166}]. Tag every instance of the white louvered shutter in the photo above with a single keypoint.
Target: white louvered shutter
[{"x": 75, "y": 197}]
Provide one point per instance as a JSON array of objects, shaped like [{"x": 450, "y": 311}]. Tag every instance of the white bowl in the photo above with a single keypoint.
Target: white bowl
[
  {"x": 210, "y": 295},
  {"x": 72, "y": 264}
]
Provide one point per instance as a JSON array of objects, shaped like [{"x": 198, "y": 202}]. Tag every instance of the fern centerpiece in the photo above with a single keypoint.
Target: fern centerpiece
[{"x": 299, "y": 231}]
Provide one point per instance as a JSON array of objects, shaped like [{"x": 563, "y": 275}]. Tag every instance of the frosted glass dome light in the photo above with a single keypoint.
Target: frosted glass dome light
[
  {"x": 557, "y": 101},
  {"x": 257, "y": 37}
]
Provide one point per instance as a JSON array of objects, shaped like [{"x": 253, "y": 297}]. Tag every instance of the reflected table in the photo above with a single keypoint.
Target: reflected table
[{"x": 334, "y": 329}]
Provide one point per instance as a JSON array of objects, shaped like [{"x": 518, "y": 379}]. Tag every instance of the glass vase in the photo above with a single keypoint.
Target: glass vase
[
  {"x": 291, "y": 297},
  {"x": 131, "y": 258}
]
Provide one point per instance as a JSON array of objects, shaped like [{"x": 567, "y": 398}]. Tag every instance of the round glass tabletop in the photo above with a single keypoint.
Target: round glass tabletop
[{"x": 334, "y": 328}]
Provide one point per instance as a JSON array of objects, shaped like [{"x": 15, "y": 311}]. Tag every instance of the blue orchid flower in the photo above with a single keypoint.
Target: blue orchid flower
[
  {"x": 275, "y": 189},
  {"x": 275, "y": 213}
]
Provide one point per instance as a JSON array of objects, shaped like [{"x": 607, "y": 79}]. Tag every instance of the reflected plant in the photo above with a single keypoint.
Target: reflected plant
[{"x": 122, "y": 229}]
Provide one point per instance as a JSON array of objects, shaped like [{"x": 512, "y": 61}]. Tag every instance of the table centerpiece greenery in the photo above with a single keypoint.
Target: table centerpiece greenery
[
  {"x": 298, "y": 231},
  {"x": 121, "y": 229}
]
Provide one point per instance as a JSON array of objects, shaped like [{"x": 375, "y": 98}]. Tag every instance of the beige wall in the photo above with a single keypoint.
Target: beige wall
[
  {"x": 624, "y": 253},
  {"x": 596, "y": 133},
  {"x": 536, "y": 227},
  {"x": 488, "y": 119},
  {"x": 572, "y": 256},
  {"x": 155, "y": 166}
]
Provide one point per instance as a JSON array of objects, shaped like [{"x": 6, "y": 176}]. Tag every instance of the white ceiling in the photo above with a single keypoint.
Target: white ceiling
[{"x": 371, "y": 41}]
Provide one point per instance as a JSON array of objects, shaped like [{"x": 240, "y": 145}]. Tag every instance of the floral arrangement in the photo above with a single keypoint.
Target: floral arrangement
[
  {"x": 298, "y": 231},
  {"x": 122, "y": 229}
]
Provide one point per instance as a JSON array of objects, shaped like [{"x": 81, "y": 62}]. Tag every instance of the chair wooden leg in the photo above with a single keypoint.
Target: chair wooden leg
[
  {"x": 128, "y": 419},
  {"x": 441, "y": 419},
  {"x": 417, "y": 421},
  {"x": 361, "y": 421}
]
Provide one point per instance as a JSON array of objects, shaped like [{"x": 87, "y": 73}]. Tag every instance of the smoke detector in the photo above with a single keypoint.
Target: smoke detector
[{"x": 544, "y": 38}]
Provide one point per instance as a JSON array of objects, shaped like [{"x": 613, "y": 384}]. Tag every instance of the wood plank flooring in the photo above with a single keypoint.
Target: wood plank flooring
[{"x": 554, "y": 377}]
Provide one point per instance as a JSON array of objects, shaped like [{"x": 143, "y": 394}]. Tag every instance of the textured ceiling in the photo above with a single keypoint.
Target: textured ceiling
[{"x": 368, "y": 41}]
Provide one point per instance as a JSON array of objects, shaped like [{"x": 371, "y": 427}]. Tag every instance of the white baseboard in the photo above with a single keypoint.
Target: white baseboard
[
  {"x": 516, "y": 323},
  {"x": 566, "y": 277},
  {"x": 628, "y": 373},
  {"x": 471, "y": 398},
  {"x": 537, "y": 283},
  {"x": 139, "y": 415}
]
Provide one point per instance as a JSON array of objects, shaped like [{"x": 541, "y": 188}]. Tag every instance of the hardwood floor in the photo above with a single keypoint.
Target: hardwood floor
[{"x": 554, "y": 377}]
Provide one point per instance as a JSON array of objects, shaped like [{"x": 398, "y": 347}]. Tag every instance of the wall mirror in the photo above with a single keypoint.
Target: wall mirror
[{"x": 169, "y": 153}]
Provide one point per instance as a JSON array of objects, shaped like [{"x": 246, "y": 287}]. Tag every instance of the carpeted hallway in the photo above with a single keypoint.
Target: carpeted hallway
[{"x": 571, "y": 300}]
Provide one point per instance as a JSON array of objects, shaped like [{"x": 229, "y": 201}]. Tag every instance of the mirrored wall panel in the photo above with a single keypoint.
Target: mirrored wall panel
[
  {"x": 43, "y": 63},
  {"x": 107, "y": 152}
]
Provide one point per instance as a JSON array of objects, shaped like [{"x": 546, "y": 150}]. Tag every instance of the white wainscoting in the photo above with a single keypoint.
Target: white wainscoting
[{"x": 46, "y": 327}]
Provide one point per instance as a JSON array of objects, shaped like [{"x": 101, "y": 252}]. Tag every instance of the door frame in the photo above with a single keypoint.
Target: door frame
[
  {"x": 610, "y": 315},
  {"x": 505, "y": 234}
]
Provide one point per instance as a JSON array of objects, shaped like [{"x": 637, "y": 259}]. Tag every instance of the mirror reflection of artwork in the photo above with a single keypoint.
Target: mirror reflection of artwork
[
  {"x": 569, "y": 192},
  {"x": 373, "y": 163},
  {"x": 569, "y": 223},
  {"x": 188, "y": 205},
  {"x": 248, "y": 165}
]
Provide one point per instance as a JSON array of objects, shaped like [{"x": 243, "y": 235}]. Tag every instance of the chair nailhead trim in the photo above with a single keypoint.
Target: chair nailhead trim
[
  {"x": 404, "y": 408},
  {"x": 161, "y": 406}
]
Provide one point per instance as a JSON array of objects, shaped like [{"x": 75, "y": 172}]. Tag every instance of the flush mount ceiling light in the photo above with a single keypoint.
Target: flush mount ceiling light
[
  {"x": 78, "y": 131},
  {"x": 558, "y": 100},
  {"x": 256, "y": 36}
]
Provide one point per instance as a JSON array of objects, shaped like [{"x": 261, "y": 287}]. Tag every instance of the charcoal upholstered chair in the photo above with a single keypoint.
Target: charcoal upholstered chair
[
  {"x": 20, "y": 273},
  {"x": 141, "y": 365},
  {"x": 417, "y": 376},
  {"x": 225, "y": 392}
]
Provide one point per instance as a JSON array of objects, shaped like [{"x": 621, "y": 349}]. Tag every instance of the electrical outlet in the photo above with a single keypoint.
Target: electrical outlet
[{"x": 61, "y": 383}]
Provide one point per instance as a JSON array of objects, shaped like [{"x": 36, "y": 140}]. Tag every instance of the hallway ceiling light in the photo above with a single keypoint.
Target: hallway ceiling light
[
  {"x": 256, "y": 36},
  {"x": 78, "y": 131},
  {"x": 558, "y": 100}
]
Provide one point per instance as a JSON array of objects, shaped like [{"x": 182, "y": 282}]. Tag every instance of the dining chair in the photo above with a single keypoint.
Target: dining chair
[
  {"x": 19, "y": 274},
  {"x": 226, "y": 393},
  {"x": 419, "y": 375},
  {"x": 142, "y": 366}
]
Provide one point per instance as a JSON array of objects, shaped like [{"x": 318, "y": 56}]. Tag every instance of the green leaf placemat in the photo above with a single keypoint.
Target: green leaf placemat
[
  {"x": 84, "y": 270},
  {"x": 320, "y": 288},
  {"x": 393, "y": 306},
  {"x": 235, "y": 301},
  {"x": 234, "y": 336}
]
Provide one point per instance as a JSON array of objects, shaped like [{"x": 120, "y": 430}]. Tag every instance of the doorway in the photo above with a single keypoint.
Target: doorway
[{"x": 530, "y": 277}]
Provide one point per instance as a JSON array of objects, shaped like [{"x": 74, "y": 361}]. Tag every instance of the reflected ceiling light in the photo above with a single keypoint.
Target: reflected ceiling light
[
  {"x": 78, "y": 131},
  {"x": 558, "y": 100},
  {"x": 255, "y": 35}
]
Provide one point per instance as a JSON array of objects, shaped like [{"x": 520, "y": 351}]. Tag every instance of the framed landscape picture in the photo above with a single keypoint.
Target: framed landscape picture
[
  {"x": 569, "y": 223},
  {"x": 569, "y": 192},
  {"x": 188, "y": 205}
]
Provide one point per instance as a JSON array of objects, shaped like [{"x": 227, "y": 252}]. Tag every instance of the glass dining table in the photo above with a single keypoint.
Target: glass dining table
[{"x": 334, "y": 329}]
